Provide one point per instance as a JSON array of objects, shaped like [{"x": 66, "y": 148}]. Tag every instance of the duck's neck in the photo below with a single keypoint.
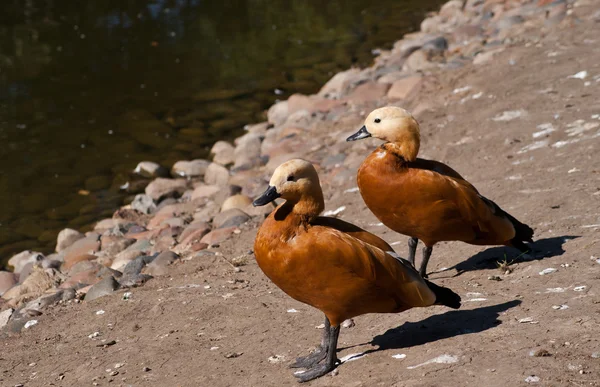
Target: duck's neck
[
  {"x": 406, "y": 150},
  {"x": 306, "y": 209}
]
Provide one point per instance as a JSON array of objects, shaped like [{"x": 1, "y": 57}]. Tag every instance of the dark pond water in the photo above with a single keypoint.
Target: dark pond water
[{"x": 90, "y": 88}]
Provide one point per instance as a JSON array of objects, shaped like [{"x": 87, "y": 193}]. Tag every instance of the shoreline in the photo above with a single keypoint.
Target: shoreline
[
  {"x": 201, "y": 204},
  {"x": 508, "y": 100}
]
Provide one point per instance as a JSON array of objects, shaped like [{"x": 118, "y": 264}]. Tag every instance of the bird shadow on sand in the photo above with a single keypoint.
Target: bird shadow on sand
[
  {"x": 490, "y": 258},
  {"x": 440, "y": 326}
]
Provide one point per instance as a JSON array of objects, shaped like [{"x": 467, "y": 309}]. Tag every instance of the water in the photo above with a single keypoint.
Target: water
[{"x": 90, "y": 88}]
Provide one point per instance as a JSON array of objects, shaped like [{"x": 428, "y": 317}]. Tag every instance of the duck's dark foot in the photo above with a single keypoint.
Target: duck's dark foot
[
  {"x": 315, "y": 372},
  {"x": 311, "y": 360}
]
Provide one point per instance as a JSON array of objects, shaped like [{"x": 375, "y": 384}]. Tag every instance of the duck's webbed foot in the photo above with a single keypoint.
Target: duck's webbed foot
[
  {"x": 315, "y": 372},
  {"x": 331, "y": 360},
  {"x": 310, "y": 360},
  {"x": 317, "y": 356}
]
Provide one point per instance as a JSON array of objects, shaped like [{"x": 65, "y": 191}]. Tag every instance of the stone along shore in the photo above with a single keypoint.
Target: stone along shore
[{"x": 190, "y": 210}]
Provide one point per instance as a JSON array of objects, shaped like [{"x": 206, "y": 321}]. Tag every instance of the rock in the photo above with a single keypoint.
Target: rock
[
  {"x": 140, "y": 247},
  {"x": 236, "y": 201},
  {"x": 392, "y": 77},
  {"x": 110, "y": 223},
  {"x": 486, "y": 56},
  {"x": 509, "y": 21},
  {"x": 83, "y": 278},
  {"x": 194, "y": 233},
  {"x": 74, "y": 259},
  {"x": 405, "y": 88},
  {"x": 34, "y": 285},
  {"x": 368, "y": 92},
  {"x": 205, "y": 191},
  {"x": 143, "y": 203},
  {"x": 207, "y": 212},
  {"x": 5, "y": 316},
  {"x": 132, "y": 272},
  {"x": 150, "y": 169},
  {"x": 103, "y": 288},
  {"x": 87, "y": 245},
  {"x": 229, "y": 218},
  {"x": 223, "y": 153},
  {"x": 297, "y": 102},
  {"x": 217, "y": 236},
  {"x": 339, "y": 84},
  {"x": 247, "y": 153},
  {"x": 50, "y": 300},
  {"x": 418, "y": 61},
  {"x": 159, "y": 266},
  {"x": 66, "y": 238},
  {"x": 19, "y": 261},
  {"x": 216, "y": 175},
  {"x": 431, "y": 24},
  {"x": 162, "y": 188},
  {"x": 259, "y": 128},
  {"x": 260, "y": 211},
  {"x": 278, "y": 113},
  {"x": 113, "y": 244},
  {"x": 435, "y": 47},
  {"x": 7, "y": 281},
  {"x": 193, "y": 168}
]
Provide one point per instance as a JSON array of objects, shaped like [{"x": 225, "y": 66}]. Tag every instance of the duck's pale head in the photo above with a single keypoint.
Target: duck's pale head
[
  {"x": 394, "y": 125},
  {"x": 295, "y": 180}
]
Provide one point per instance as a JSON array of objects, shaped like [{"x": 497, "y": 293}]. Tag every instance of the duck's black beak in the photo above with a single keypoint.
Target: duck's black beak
[
  {"x": 362, "y": 133},
  {"x": 267, "y": 197}
]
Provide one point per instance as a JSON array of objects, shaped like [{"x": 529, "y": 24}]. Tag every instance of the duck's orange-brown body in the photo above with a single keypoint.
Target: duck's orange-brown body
[
  {"x": 336, "y": 267},
  {"x": 429, "y": 201}
]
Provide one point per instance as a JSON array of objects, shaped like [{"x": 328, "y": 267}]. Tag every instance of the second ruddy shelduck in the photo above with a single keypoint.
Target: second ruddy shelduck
[
  {"x": 332, "y": 265},
  {"x": 426, "y": 199}
]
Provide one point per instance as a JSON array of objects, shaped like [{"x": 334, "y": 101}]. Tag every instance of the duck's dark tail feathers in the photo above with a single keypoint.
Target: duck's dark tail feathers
[
  {"x": 523, "y": 233},
  {"x": 444, "y": 296}
]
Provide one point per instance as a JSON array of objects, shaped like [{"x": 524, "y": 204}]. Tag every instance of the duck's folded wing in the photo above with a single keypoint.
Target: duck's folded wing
[
  {"x": 397, "y": 278},
  {"x": 354, "y": 231}
]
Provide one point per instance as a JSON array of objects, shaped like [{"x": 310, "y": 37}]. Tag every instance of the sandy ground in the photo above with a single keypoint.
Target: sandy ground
[{"x": 210, "y": 324}]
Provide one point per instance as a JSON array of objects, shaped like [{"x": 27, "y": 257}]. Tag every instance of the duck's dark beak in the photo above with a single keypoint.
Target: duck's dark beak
[
  {"x": 362, "y": 133},
  {"x": 267, "y": 197}
]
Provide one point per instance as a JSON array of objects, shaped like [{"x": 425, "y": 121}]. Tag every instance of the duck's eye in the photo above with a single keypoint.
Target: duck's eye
[
  {"x": 290, "y": 178},
  {"x": 377, "y": 120}
]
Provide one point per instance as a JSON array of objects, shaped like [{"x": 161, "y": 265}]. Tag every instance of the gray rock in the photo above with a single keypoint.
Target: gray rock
[
  {"x": 229, "y": 218},
  {"x": 19, "y": 261},
  {"x": 193, "y": 168},
  {"x": 66, "y": 238},
  {"x": 160, "y": 264},
  {"x": 247, "y": 153},
  {"x": 102, "y": 288},
  {"x": 436, "y": 46},
  {"x": 144, "y": 204},
  {"x": 162, "y": 188},
  {"x": 150, "y": 169},
  {"x": 216, "y": 175},
  {"x": 137, "y": 249},
  {"x": 132, "y": 273}
]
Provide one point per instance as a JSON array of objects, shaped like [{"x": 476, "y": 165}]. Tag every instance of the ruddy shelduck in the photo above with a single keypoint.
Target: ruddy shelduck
[
  {"x": 426, "y": 199},
  {"x": 332, "y": 265}
]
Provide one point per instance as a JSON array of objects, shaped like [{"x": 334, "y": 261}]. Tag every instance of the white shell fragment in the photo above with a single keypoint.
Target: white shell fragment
[
  {"x": 442, "y": 359},
  {"x": 334, "y": 212}
]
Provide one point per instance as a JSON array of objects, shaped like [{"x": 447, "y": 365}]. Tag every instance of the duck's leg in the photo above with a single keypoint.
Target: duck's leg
[
  {"x": 426, "y": 255},
  {"x": 318, "y": 355},
  {"x": 330, "y": 362},
  {"x": 412, "y": 249}
]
